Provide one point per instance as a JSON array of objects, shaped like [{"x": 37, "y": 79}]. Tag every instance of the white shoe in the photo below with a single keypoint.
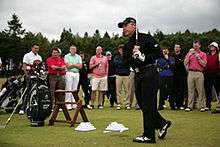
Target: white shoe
[
  {"x": 181, "y": 108},
  {"x": 202, "y": 110},
  {"x": 164, "y": 106},
  {"x": 118, "y": 107},
  {"x": 21, "y": 112},
  {"x": 128, "y": 108}
]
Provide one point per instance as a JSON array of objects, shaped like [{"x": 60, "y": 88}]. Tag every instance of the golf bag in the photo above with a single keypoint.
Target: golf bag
[
  {"x": 11, "y": 90},
  {"x": 39, "y": 104}
]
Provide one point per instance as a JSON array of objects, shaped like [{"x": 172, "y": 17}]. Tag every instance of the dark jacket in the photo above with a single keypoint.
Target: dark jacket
[
  {"x": 111, "y": 70},
  {"x": 121, "y": 68},
  {"x": 148, "y": 46},
  {"x": 84, "y": 70},
  {"x": 179, "y": 68}
]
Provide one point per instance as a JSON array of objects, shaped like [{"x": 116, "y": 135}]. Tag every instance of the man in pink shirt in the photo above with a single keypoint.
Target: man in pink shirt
[
  {"x": 195, "y": 62},
  {"x": 99, "y": 67}
]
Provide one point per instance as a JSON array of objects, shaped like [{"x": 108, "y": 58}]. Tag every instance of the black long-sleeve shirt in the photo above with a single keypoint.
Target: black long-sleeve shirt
[{"x": 148, "y": 46}]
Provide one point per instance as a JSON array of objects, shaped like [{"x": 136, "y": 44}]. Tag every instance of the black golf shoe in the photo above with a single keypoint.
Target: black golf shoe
[
  {"x": 143, "y": 139},
  {"x": 163, "y": 131}
]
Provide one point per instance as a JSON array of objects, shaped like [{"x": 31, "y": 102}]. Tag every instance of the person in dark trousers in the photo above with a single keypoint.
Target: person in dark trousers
[
  {"x": 166, "y": 64},
  {"x": 141, "y": 54},
  {"x": 211, "y": 73},
  {"x": 111, "y": 93},
  {"x": 84, "y": 81},
  {"x": 179, "y": 76}
]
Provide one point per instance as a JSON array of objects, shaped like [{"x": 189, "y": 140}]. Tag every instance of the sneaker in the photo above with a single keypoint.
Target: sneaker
[
  {"x": 188, "y": 109},
  {"x": 89, "y": 107},
  {"x": 164, "y": 106},
  {"x": 128, "y": 108},
  {"x": 143, "y": 139},
  {"x": 100, "y": 107},
  {"x": 207, "y": 109},
  {"x": 202, "y": 110},
  {"x": 118, "y": 107},
  {"x": 21, "y": 112},
  {"x": 181, "y": 108},
  {"x": 163, "y": 131}
]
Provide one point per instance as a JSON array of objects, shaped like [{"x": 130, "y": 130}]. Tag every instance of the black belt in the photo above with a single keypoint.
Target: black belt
[{"x": 144, "y": 68}]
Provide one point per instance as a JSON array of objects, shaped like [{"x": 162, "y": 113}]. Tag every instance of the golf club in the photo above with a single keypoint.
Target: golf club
[{"x": 7, "y": 122}]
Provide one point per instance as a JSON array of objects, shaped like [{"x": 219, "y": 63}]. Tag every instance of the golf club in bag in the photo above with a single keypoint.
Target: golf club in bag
[
  {"x": 39, "y": 105},
  {"x": 9, "y": 119},
  {"x": 11, "y": 90}
]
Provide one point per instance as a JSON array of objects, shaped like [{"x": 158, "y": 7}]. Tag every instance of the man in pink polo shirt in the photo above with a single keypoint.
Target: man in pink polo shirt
[
  {"x": 195, "y": 62},
  {"x": 99, "y": 66}
]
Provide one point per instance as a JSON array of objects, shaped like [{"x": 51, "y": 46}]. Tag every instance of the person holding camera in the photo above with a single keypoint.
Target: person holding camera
[
  {"x": 195, "y": 62},
  {"x": 166, "y": 65},
  {"x": 140, "y": 52}
]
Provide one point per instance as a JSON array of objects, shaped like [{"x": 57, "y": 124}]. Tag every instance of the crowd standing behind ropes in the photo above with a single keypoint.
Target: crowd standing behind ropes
[{"x": 185, "y": 80}]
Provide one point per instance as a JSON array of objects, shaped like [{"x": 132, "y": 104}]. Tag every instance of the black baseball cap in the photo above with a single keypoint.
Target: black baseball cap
[{"x": 126, "y": 21}]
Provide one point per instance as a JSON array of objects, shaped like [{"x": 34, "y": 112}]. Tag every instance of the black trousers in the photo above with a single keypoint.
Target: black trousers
[
  {"x": 179, "y": 84},
  {"x": 210, "y": 81},
  {"x": 166, "y": 89},
  {"x": 84, "y": 82},
  {"x": 111, "y": 93},
  {"x": 146, "y": 87}
]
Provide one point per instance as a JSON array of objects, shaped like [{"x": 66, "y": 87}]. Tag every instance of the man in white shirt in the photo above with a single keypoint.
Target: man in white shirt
[{"x": 29, "y": 59}]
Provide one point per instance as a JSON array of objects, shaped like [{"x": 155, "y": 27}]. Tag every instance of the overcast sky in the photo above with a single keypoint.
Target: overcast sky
[{"x": 50, "y": 16}]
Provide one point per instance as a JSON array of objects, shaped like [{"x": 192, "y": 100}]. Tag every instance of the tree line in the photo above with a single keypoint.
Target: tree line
[{"x": 15, "y": 41}]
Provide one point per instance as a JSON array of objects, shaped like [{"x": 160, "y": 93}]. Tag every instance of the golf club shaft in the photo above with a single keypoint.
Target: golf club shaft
[{"x": 15, "y": 107}]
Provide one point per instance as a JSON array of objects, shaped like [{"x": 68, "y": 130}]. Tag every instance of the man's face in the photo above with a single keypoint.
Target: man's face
[
  {"x": 99, "y": 50},
  {"x": 55, "y": 53},
  {"x": 35, "y": 49},
  {"x": 177, "y": 48},
  {"x": 212, "y": 48},
  {"x": 73, "y": 50},
  {"x": 82, "y": 56},
  {"x": 120, "y": 50},
  {"x": 129, "y": 29},
  {"x": 165, "y": 51},
  {"x": 109, "y": 57},
  {"x": 196, "y": 46}
]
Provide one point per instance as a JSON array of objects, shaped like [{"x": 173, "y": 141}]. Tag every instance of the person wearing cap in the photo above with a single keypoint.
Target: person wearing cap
[
  {"x": 73, "y": 63},
  {"x": 211, "y": 73},
  {"x": 122, "y": 72},
  {"x": 56, "y": 72},
  {"x": 195, "y": 62},
  {"x": 140, "y": 52},
  {"x": 111, "y": 93},
  {"x": 99, "y": 66}
]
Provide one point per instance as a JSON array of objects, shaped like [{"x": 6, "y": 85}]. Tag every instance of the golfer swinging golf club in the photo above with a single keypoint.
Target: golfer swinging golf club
[{"x": 140, "y": 53}]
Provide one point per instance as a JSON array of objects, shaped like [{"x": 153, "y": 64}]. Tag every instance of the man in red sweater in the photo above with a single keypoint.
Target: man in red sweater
[
  {"x": 211, "y": 73},
  {"x": 56, "y": 71}
]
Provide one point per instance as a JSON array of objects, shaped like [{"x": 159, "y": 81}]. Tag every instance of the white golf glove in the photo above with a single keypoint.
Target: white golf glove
[{"x": 138, "y": 55}]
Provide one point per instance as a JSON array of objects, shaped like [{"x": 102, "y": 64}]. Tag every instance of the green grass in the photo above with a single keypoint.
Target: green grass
[{"x": 190, "y": 129}]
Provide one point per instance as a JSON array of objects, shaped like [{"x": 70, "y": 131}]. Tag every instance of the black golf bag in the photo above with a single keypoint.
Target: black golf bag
[
  {"x": 10, "y": 92},
  {"x": 39, "y": 104}
]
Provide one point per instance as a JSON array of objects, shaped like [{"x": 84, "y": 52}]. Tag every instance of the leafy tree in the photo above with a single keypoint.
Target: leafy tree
[{"x": 15, "y": 27}]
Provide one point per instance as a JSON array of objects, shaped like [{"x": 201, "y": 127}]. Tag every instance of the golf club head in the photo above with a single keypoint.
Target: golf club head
[{"x": 3, "y": 127}]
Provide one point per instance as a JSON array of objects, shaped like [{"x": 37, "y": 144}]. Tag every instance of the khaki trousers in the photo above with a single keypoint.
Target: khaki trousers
[
  {"x": 123, "y": 81},
  {"x": 195, "y": 81}
]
